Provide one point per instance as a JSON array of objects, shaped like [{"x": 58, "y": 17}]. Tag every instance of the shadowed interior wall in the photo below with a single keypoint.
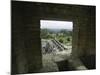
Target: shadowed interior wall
[
  {"x": 83, "y": 18},
  {"x": 26, "y": 44}
]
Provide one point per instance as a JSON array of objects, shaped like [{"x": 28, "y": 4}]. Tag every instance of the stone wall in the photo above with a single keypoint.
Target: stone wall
[{"x": 26, "y": 43}]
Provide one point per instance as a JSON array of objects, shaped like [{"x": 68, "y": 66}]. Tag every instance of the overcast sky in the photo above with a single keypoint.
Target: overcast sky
[{"x": 52, "y": 24}]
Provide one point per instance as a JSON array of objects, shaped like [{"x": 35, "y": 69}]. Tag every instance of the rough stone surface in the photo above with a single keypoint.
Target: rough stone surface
[{"x": 26, "y": 42}]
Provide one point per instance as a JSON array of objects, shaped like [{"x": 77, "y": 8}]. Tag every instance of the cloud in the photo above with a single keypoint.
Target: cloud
[{"x": 52, "y": 24}]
